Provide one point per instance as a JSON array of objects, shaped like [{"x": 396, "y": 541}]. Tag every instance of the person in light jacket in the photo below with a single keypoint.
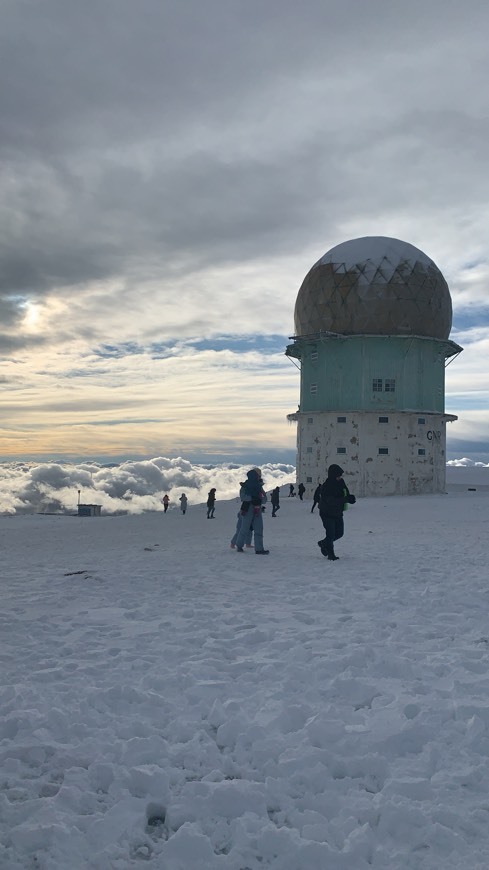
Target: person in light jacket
[
  {"x": 253, "y": 497},
  {"x": 183, "y": 503},
  {"x": 249, "y": 534}
]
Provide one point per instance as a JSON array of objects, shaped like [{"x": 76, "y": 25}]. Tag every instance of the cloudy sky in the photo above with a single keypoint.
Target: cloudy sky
[{"x": 169, "y": 172}]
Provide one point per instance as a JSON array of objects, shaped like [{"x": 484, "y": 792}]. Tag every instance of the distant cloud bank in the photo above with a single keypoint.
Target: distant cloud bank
[
  {"x": 132, "y": 487},
  {"x": 465, "y": 463}
]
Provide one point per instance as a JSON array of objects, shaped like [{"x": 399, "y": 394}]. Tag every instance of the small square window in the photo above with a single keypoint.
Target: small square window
[
  {"x": 383, "y": 451},
  {"x": 341, "y": 419},
  {"x": 310, "y": 420},
  {"x": 390, "y": 385},
  {"x": 308, "y": 479},
  {"x": 421, "y": 451},
  {"x": 309, "y": 450},
  {"x": 421, "y": 421},
  {"x": 314, "y": 388},
  {"x": 377, "y": 385},
  {"x": 383, "y": 419},
  {"x": 341, "y": 449}
]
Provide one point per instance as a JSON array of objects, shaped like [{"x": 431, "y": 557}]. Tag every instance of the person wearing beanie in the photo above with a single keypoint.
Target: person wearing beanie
[
  {"x": 183, "y": 503},
  {"x": 252, "y": 496},
  {"x": 316, "y": 497},
  {"x": 335, "y": 498},
  {"x": 211, "y": 503},
  {"x": 275, "y": 500}
]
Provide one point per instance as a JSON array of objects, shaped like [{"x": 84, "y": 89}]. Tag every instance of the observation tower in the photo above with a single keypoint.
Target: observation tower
[{"x": 372, "y": 324}]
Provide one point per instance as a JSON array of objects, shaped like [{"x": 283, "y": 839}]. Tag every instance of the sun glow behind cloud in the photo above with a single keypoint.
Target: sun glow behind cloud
[{"x": 32, "y": 317}]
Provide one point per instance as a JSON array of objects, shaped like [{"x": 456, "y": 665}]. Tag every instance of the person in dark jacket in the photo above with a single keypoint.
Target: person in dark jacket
[
  {"x": 316, "y": 497},
  {"x": 211, "y": 503},
  {"x": 275, "y": 500},
  {"x": 301, "y": 490},
  {"x": 335, "y": 497}
]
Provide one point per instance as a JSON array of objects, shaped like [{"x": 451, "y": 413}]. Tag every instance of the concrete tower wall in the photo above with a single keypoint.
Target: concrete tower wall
[{"x": 388, "y": 453}]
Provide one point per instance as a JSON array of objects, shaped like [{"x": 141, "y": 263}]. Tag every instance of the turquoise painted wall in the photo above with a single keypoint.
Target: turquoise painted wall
[{"x": 337, "y": 373}]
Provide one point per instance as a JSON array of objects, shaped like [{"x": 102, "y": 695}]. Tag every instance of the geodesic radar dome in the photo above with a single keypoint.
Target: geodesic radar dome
[{"x": 374, "y": 286}]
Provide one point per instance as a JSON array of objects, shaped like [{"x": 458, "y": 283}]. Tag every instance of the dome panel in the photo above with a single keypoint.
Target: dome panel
[{"x": 374, "y": 286}]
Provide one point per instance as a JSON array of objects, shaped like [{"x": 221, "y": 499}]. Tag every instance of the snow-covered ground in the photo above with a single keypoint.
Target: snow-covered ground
[{"x": 169, "y": 703}]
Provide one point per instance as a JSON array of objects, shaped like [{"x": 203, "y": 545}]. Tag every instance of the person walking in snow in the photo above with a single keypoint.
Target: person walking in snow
[
  {"x": 183, "y": 503},
  {"x": 211, "y": 503},
  {"x": 275, "y": 500},
  {"x": 301, "y": 490},
  {"x": 335, "y": 498},
  {"x": 166, "y": 502},
  {"x": 316, "y": 497},
  {"x": 252, "y": 496},
  {"x": 291, "y": 490}
]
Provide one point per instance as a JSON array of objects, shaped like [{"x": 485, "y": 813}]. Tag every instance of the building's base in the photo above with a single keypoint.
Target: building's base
[{"x": 382, "y": 453}]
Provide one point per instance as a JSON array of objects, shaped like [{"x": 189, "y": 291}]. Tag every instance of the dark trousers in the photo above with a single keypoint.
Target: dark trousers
[{"x": 334, "y": 528}]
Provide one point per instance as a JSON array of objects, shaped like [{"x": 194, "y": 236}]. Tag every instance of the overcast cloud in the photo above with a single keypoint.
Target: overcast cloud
[{"x": 169, "y": 171}]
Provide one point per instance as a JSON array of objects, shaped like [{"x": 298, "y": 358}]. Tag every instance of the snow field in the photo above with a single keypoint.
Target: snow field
[{"x": 169, "y": 703}]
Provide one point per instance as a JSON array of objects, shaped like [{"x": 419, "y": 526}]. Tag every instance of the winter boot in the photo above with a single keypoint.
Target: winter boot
[
  {"x": 328, "y": 550},
  {"x": 331, "y": 554}
]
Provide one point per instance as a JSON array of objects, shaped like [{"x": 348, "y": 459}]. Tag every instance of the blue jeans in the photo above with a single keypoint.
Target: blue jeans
[
  {"x": 251, "y": 518},
  {"x": 249, "y": 534}
]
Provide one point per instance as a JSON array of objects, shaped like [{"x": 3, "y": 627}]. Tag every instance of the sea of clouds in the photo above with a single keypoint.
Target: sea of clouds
[{"x": 130, "y": 487}]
